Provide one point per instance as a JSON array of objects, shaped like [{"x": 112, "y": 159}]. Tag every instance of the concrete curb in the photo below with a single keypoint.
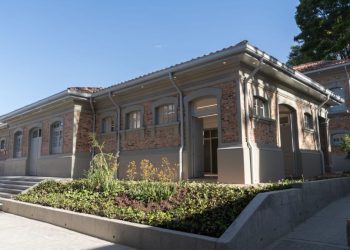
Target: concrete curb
[{"x": 268, "y": 217}]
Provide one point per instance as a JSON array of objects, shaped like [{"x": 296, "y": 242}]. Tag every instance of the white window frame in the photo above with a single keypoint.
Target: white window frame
[
  {"x": 56, "y": 136},
  {"x": 166, "y": 114},
  {"x": 133, "y": 119},
  {"x": 260, "y": 107},
  {"x": 17, "y": 145}
]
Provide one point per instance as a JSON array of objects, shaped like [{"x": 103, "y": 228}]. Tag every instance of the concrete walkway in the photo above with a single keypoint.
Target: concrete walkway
[
  {"x": 21, "y": 233},
  {"x": 325, "y": 230}
]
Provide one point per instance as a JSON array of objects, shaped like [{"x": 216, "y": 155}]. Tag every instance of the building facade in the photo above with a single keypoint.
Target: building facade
[
  {"x": 335, "y": 76},
  {"x": 237, "y": 114}
]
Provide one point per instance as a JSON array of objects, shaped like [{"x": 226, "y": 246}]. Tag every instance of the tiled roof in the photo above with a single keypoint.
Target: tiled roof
[
  {"x": 84, "y": 90},
  {"x": 319, "y": 65}
]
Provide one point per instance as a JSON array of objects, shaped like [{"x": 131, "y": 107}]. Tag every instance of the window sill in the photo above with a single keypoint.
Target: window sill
[
  {"x": 263, "y": 119},
  {"x": 108, "y": 133},
  {"x": 132, "y": 130},
  {"x": 164, "y": 125}
]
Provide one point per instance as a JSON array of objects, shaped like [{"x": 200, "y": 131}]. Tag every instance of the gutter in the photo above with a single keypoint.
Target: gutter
[
  {"x": 93, "y": 124},
  {"x": 171, "y": 77},
  {"x": 118, "y": 124},
  {"x": 347, "y": 74},
  {"x": 40, "y": 104},
  {"x": 246, "y": 108},
  {"x": 318, "y": 133}
]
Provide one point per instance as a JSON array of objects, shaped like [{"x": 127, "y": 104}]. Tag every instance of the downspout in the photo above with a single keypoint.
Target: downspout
[
  {"x": 93, "y": 123},
  {"x": 246, "y": 108},
  {"x": 171, "y": 77},
  {"x": 118, "y": 125},
  {"x": 318, "y": 133},
  {"x": 347, "y": 74}
]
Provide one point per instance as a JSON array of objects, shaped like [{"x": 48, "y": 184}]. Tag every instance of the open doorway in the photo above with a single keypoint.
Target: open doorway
[
  {"x": 204, "y": 138},
  {"x": 289, "y": 140},
  {"x": 324, "y": 141}
]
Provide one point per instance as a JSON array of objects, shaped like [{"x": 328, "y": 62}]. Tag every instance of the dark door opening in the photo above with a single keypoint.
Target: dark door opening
[{"x": 210, "y": 151}]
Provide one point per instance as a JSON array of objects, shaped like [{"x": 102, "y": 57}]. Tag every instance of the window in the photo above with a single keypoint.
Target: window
[
  {"x": 340, "y": 92},
  {"x": 261, "y": 108},
  {"x": 56, "y": 137},
  {"x": 166, "y": 114},
  {"x": 133, "y": 120},
  {"x": 308, "y": 121},
  {"x": 2, "y": 144},
  {"x": 337, "y": 139},
  {"x": 108, "y": 125},
  {"x": 17, "y": 149}
]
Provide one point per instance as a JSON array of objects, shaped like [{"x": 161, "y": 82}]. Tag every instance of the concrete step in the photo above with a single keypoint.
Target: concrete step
[
  {"x": 15, "y": 186},
  {"x": 10, "y": 191},
  {"x": 18, "y": 178},
  {"x": 24, "y": 183},
  {"x": 6, "y": 195}
]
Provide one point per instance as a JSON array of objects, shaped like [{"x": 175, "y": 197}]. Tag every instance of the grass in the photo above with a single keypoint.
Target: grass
[{"x": 200, "y": 208}]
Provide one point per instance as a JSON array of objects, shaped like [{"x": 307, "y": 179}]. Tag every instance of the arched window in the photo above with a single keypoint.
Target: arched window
[
  {"x": 166, "y": 114},
  {"x": 56, "y": 137},
  {"x": 2, "y": 144},
  {"x": 133, "y": 120},
  {"x": 340, "y": 92},
  {"x": 308, "y": 121},
  {"x": 260, "y": 107},
  {"x": 108, "y": 125},
  {"x": 17, "y": 146}
]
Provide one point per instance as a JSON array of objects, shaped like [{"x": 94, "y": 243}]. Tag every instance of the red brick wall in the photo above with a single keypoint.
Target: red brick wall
[
  {"x": 84, "y": 128},
  {"x": 338, "y": 123},
  {"x": 230, "y": 130}
]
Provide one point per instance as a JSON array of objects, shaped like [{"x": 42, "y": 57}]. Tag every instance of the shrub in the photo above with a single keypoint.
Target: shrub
[
  {"x": 102, "y": 168},
  {"x": 148, "y": 171},
  {"x": 346, "y": 145},
  {"x": 131, "y": 171},
  {"x": 166, "y": 173}
]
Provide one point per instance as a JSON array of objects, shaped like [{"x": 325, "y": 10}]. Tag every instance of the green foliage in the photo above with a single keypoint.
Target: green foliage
[
  {"x": 346, "y": 145},
  {"x": 148, "y": 191},
  {"x": 325, "y": 31},
  {"x": 200, "y": 208},
  {"x": 102, "y": 168}
]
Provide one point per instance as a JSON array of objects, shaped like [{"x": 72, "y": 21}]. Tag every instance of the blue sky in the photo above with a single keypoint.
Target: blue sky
[{"x": 47, "y": 46}]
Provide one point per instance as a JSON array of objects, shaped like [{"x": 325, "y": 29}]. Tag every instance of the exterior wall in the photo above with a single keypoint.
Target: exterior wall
[
  {"x": 76, "y": 126},
  {"x": 264, "y": 133},
  {"x": 339, "y": 123}
]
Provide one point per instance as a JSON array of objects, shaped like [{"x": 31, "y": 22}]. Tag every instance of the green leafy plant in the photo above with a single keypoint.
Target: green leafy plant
[
  {"x": 346, "y": 145},
  {"x": 102, "y": 168},
  {"x": 131, "y": 171}
]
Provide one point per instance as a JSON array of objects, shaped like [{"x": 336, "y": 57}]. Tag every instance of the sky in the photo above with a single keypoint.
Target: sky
[{"x": 49, "y": 45}]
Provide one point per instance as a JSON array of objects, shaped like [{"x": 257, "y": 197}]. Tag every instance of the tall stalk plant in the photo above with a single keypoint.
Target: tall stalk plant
[{"x": 103, "y": 167}]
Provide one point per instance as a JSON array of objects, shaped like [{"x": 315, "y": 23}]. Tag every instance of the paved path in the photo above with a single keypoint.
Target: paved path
[
  {"x": 326, "y": 230},
  {"x": 21, "y": 233}
]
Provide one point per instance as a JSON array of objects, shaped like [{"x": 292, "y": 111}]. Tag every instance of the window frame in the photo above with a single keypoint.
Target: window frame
[
  {"x": 164, "y": 115},
  {"x": 57, "y": 149},
  {"x": 2, "y": 144},
  {"x": 341, "y": 107},
  {"x": 265, "y": 108},
  {"x": 169, "y": 100},
  {"x": 126, "y": 115},
  {"x": 17, "y": 144},
  {"x": 108, "y": 128},
  {"x": 308, "y": 121}
]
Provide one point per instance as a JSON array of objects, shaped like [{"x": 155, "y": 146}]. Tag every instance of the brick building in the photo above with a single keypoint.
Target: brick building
[
  {"x": 237, "y": 114},
  {"x": 335, "y": 76}
]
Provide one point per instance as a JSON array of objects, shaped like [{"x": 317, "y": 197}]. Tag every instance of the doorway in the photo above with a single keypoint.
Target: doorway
[
  {"x": 289, "y": 140},
  {"x": 324, "y": 140},
  {"x": 34, "y": 150},
  {"x": 204, "y": 138}
]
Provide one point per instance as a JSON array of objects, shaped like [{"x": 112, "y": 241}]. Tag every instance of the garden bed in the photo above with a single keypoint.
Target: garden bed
[{"x": 200, "y": 208}]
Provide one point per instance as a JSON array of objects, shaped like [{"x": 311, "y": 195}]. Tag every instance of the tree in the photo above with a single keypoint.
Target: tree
[{"x": 325, "y": 31}]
